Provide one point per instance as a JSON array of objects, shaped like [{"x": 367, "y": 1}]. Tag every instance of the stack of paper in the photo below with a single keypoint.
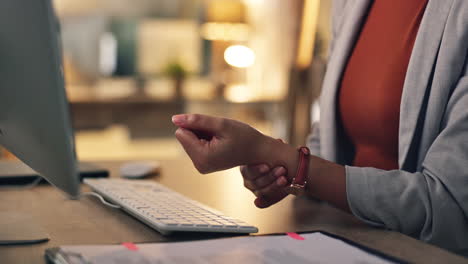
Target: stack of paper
[{"x": 293, "y": 248}]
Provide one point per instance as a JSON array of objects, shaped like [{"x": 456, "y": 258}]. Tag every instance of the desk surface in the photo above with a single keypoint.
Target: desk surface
[{"x": 87, "y": 221}]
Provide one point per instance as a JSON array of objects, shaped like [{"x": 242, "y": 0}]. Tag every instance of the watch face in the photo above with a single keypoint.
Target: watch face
[{"x": 295, "y": 189}]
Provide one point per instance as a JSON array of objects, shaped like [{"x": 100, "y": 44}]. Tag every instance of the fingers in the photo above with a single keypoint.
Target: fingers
[
  {"x": 282, "y": 181},
  {"x": 271, "y": 194},
  {"x": 199, "y": 122},
  {"x": 272, "y": 187},
  {"x": 188, "y": 140},
  {"x": 254, "y": 180},
  {"x": 264, "y": 202},
  {"x": 192, "y": 145},
  {"x": 252, "y": 172},
  {"x": 262, "y": 182},
  {"x": 274, "y": 195},
  {"x": 268, "y": 187}
]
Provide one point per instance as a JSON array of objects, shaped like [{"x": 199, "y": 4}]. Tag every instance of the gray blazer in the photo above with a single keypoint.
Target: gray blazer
[{"x": 427, "y": 197}]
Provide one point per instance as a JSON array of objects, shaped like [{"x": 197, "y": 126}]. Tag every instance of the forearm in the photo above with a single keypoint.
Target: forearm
[{"x": 325, "y": 180}]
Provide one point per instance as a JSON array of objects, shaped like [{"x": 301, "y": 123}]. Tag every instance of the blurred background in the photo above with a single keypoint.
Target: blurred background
[{"x": 131, "y": 64}]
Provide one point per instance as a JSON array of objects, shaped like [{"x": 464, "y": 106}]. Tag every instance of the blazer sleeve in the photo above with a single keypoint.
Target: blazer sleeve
[{"x": 431, "y": 205}]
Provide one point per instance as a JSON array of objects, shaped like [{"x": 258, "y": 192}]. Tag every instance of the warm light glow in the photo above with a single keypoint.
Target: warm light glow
[
  {"x": 238, "y": 93},
  {"x": 254, "y": 2},
  {"x": 107, "y": 54},
  {"x": 225, "y": 31},
  {"x": 77, "y": 8},
  {"x": 239, "y": 56},
  {"x": 308, "y": 29}
]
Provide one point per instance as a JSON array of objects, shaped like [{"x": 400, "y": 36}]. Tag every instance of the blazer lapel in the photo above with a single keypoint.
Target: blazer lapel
[
  {"x": 419, "y": 73},
  {"x": 343, "y": 46}
]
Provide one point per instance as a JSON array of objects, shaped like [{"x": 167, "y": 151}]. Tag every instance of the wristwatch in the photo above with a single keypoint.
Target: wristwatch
[{"x": 298, "y": 184}]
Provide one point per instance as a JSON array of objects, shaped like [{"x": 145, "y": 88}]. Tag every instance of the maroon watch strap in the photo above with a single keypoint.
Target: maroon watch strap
[
  {"x": 298, "y": 184},
  {"x": 302, "y": 168}
]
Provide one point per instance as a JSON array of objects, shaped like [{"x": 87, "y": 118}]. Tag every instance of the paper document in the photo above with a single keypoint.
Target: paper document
[{"x": 315, "y": 248}]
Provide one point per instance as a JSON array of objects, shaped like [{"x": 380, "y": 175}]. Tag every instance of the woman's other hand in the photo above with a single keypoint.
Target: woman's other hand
[
  {"x": 214, "y": 143},
  {"x": 267, "y": 184}
]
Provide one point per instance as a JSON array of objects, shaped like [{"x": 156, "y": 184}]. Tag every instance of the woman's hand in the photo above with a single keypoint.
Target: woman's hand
[
  {"x": 266, "y": 184},
  {"x": 216, "y": 144}
]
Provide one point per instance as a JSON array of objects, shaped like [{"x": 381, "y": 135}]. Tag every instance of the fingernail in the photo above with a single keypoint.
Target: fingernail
[
  {"x": 179, "y": 119},
  {"x": 281, "y": 181},
  {"x": 263, "y": 168},
  {"x": 279, "y": 171}
]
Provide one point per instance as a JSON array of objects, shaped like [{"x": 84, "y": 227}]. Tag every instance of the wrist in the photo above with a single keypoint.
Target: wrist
[
  {"x": 266, "y": 150},
  {"x": 276, "y": 153},
  {"x": 298, "y": 184}
]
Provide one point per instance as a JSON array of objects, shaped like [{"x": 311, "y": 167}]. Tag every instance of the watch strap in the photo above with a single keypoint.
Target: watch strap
[{"x": 298, "y": 184}]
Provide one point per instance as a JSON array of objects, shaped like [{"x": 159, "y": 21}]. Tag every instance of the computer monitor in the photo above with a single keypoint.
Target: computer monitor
[{"x": 34, "y": 116}]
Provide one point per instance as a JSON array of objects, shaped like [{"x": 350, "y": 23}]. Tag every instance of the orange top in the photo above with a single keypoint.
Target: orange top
[{"x": 372, "y": 84}]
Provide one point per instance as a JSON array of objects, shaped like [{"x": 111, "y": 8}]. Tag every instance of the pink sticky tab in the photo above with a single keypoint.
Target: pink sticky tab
[
  {"x": 130, "y": 246},
  {"x": 295, "y": 236}
]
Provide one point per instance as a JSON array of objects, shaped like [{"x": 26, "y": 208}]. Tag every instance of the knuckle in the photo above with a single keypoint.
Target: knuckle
[
  {"x": 258, "y": 169},
  {"x": 258, "y": 193},
  {"x": 262, "y": 195},
  {"x": 258, "y": 182},
  {"x": 251, "y": 172},
  {"x": 247, "y": 185}
]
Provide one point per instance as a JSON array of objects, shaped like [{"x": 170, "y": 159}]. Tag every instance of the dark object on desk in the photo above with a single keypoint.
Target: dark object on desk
[
  {"x": 20, "y": 229},
  {"x": 17, "y": 173},
  {"x": 139, "y": 169}
]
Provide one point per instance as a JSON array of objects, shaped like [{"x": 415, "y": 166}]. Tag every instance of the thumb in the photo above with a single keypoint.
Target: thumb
[
  {"x": 264, "y": 202},
  {"x": 210, "y": 124}
]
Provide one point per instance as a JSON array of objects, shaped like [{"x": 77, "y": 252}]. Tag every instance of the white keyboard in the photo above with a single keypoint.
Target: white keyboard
[{"x": 164, "y": 209}]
